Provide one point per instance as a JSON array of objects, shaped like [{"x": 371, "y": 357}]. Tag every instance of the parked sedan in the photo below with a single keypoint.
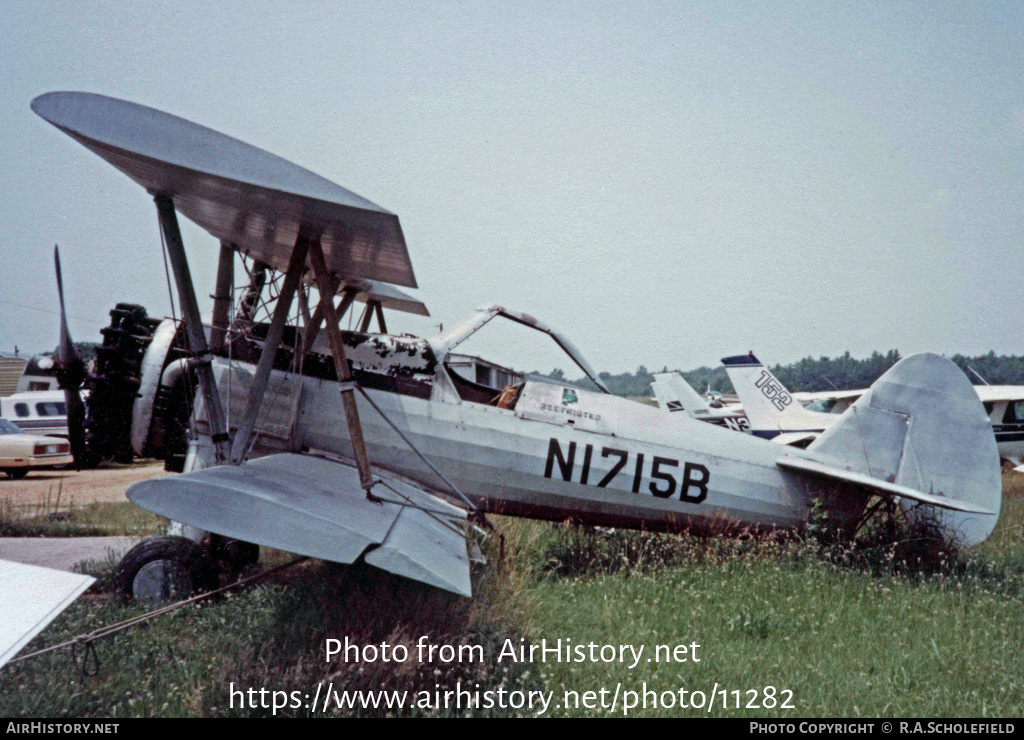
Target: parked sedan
[{"x": 20, "y": 451}]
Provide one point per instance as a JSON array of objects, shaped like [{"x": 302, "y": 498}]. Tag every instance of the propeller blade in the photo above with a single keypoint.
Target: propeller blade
[
  {"x": 70, "y": 375},
  {"x": 66, "y": 349}
]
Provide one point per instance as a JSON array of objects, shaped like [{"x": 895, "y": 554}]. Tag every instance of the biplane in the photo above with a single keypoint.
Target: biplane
[{"x": 360, "y": 445}]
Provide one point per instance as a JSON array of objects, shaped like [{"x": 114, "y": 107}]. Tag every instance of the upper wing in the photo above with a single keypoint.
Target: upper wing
[
  {"x": 240, "y": 194},
  {"x": 993, "y": 393},
  {"x": 313, "y": 506}
]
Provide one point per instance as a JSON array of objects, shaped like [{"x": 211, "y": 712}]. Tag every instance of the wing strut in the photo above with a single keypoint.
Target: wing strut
[
  {"x": 222, "y": 296},
  {"x": 296, "y": 266},
  {"x": 317, "y": 319},
  {"x": 373, "y": 308},
  {"x": 193, "y": 324},
  {"x": 349, "y": 386},
  {"x": 348, "y": 398}
]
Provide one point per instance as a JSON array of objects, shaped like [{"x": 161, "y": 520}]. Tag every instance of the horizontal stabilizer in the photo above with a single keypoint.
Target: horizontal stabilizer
[
  {"x": 880, "y": 486},
  {"x": 32, "y": 597},
  {"x": 316, "y": 507},
  {"x": 795, "y": 439}
]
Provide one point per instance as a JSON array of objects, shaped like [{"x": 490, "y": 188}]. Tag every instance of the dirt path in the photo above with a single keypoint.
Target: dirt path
[
  {"x": 62, "y": 553},
  {"x": 76, "y": 487}
]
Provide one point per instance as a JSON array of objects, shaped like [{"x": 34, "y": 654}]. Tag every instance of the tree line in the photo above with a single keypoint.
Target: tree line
[{"x": 810, "y": 374}]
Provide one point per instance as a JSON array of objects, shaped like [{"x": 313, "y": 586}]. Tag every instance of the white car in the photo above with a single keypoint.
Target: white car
[{"x": 20, "y": 451}]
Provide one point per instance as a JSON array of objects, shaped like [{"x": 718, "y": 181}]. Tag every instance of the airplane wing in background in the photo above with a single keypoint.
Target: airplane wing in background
[{"x": 32, "y": 597}]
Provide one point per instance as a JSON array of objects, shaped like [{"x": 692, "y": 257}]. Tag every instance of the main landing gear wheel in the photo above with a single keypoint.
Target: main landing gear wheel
[{"x": 165, "y": 569}]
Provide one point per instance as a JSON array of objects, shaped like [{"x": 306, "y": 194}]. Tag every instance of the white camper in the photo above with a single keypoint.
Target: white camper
[{"x": 37, "y": 412}]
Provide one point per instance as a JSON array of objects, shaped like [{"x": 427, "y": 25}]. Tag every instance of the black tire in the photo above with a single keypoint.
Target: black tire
[
  {"x": 233, "y": 556},
  {"x": 16, "y": 473},
  {"x": 165, "y": 569}
]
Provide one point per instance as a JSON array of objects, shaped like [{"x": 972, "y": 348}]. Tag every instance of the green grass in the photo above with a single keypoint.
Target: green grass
[
  {"x": 90, "y": 520},
  {"x": 272, "y": 637},
  {"x": 844, "y": 642},
  {"x": 849, "y": 631}
]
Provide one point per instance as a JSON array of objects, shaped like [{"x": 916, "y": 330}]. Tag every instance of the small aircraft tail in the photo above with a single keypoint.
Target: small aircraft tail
[
  {"x": 769, "y": 405},
  {"x": 921, "y": 434},
  {"x": 675, "y": 394}
]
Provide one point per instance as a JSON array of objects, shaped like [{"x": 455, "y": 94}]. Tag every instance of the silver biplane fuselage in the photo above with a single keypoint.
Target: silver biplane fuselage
[{"x": 553, "y": 452}]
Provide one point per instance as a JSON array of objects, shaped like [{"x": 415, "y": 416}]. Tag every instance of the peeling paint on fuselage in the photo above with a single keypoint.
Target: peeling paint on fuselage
[{"x": 390, "y": 355}]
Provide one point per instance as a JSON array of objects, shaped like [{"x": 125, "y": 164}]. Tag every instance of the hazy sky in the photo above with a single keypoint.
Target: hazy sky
[{"x": 668, "y": 183}]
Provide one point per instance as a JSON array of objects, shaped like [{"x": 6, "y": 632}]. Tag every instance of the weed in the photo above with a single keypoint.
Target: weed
[{"x": 92, "y": 520}]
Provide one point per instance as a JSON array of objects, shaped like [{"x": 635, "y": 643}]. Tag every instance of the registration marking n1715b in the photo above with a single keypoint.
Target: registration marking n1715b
[{"x": 691, "y": 486}]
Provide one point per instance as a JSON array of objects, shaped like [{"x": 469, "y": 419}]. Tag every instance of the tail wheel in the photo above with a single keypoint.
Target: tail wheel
[{"x": 165, "y": 569}]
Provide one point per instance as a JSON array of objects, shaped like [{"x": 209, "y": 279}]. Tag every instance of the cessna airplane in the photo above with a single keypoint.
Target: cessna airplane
[
  {"x": 674, "y": 394},
  {"x": 363, "y": 445},
  {"x": 777, "y": 414},
  {"x": 766, "y": 408},
  {"x": 771, "y": 409}
]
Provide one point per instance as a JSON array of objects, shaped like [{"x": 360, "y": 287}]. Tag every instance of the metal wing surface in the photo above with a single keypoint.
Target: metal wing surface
[
  {"x": 882, "y": 487},
  {"x": 240, "y": 194},
  {"x": 31, "y": 598},
  {"x": 313, "y": 506},
  {"x": 390, "y": 298}
]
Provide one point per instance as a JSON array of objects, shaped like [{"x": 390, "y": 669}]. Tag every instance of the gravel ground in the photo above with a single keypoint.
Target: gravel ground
[
  {"x": 78, "y": 487},
  {"x": 62, "y": 553}
]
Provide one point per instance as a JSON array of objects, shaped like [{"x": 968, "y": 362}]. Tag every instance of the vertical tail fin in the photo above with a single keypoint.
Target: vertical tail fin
[
  {"x": 769, "y": 405},
  {"x": 675, "y": 394},
  {"x": 922, "y": 426}
]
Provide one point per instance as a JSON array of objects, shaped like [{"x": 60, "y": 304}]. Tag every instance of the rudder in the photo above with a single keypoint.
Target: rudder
[{"x": 921, "y": 425}]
